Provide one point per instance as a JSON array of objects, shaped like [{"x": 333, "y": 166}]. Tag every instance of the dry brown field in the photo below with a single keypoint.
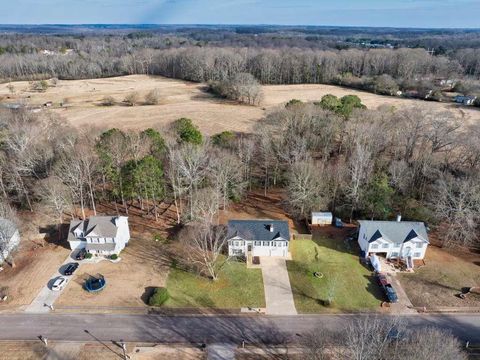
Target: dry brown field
[
  {"x": 81, "y": 100},
  {"x": 441, "y": 279}
]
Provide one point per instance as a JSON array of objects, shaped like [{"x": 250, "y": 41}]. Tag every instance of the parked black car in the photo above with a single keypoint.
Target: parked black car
[
  {"x": 81, "y": 254},
  {"x": 387, "y": 288},
  {"x": 71, "y": 269}
]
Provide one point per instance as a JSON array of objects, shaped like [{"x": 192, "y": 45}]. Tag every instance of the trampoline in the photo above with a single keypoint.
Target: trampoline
[{"x": 95, "y": 284}]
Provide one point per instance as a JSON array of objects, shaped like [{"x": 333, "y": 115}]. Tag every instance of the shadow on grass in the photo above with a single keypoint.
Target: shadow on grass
[{"x": 374, "y": 289}]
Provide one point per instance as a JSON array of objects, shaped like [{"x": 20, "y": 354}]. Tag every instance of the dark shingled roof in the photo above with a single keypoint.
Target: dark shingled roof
[{"x": 258, "y": 229}]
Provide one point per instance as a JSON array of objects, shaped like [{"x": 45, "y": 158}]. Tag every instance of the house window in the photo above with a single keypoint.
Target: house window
[
  {"x": 416, "y": 255},
  {"x": 258, "y": 243},
  {"x": 394, "y": 254},
  {"x": 419, "y": 245},
  {"x": 397, "y": 245},
  {"x": 385, "y": 246},
  {"x": 236, "y": 243},
  {"x": 237, "y": 252},
  {"x": 374, "y": 246},
  {"x": 266, "y": 243}
]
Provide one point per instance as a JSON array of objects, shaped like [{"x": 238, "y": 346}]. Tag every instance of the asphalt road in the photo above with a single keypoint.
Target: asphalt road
[{"x": 202, "y": 329}]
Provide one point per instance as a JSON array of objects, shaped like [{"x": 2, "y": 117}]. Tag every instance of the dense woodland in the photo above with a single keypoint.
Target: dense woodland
[
  {"x": 282, "y": 56},
  {"x": 332, "y": 154}
]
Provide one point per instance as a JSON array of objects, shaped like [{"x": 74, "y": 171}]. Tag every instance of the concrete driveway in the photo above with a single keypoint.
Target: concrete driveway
[
  {"x": 46, "y": 296},
  {"x": 278, "y": 292}
]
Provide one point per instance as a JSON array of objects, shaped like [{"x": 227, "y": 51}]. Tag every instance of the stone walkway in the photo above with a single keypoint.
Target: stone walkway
[{"x": 278, "y": 292}]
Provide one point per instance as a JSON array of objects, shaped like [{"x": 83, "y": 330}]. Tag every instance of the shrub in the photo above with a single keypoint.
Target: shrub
[
  {"x": 108, "y": 101},
  {"x": 88, "y": 256},
  {"x": 159, "y": 296},
  {"x": 223, "y": 139},
  {"x": 132, "y": 99},
  {"x": 114, "y": 256},
  {"x": 41, "y": 85},
  {"x": 187, "y": 132},
  {"x": 293, "y": 103},
  {"x": 152, "y": 97}
]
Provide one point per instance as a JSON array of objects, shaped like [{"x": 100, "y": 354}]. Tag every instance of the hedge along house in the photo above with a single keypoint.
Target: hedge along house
[
  {"x": 393, "y": 239},
  {"x": 258, "y": 238},
  {"x": 99, "y": 235}
]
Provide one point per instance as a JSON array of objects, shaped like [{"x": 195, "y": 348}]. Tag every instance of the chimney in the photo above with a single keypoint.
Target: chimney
[
  {"x": 271, "y": 227},
  {"x": 399, "y": 218}
]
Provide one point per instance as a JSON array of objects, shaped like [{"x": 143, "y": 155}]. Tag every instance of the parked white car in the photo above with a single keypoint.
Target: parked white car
[{"x": 59, "y": 284}]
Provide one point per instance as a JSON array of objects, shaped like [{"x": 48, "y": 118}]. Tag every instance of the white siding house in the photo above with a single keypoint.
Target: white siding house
[
  {"x": 99, "y": 235},
  {"x": 258, "y": 238},
  {"x": 393, "y": 239},
  {"x": 9, "y": 238}
]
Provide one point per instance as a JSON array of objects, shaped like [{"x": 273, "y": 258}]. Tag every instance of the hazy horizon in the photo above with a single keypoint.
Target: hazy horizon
[{"x": 428, "y": 14}]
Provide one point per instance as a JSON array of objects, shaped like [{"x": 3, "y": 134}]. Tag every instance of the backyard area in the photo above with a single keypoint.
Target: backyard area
[
  {"x": 341, "y": 277},
  {"x": 438, "y": 283},
  {"x": 236, "y": 287}
]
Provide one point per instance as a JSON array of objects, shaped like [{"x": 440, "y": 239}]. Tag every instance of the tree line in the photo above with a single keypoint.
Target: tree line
[{"x": 382, "y": 71}]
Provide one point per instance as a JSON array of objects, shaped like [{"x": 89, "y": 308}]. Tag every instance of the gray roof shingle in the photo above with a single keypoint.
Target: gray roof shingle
[
  {"x": 395, "y": 231},
  {"x": 102, "y": 226},
  {"x": 258, "y": 229}
]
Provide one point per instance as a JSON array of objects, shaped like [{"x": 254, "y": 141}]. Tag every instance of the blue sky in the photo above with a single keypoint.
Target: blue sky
[{"x": 394, "y": 13}]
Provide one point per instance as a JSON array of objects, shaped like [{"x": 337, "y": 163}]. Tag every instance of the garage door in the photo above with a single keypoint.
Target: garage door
[{"x": 277, "y": 251}]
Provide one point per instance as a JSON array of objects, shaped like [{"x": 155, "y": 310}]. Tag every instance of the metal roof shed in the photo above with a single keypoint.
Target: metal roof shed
[{"x": 322, "y": 218}]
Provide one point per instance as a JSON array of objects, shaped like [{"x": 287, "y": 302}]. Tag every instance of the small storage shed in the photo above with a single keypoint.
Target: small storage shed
[{"x": 322, "y": 218}]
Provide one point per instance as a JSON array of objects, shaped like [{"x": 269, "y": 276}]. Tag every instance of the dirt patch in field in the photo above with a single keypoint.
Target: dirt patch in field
[
  {"x": 442, "y": 278},
  {"x": 79, "y": 102},
  {"x": 257, "y": 205}
]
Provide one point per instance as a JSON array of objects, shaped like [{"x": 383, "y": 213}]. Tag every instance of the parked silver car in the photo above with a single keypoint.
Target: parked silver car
[{"x": 59, "y": 283}]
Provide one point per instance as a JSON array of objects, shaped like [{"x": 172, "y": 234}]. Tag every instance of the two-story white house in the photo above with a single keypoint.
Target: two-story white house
[
  {"x": 99, "y": 235},
  {"x": 258, "y": 238},
  {"x": 393, "y": 239}
]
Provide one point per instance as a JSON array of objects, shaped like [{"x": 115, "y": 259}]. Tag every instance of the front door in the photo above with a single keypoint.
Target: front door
[{"x": 249, "y": 247}]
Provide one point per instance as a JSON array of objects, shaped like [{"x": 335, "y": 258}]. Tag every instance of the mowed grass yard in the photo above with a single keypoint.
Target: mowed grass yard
[
  {"x": 351, "y": 284},
  {"x": 236, "y": 287}
]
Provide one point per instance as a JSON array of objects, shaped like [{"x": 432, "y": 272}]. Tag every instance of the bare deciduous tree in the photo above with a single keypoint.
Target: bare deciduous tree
[
  {"x": 203, "y": 243},
  {"x": 307, "y": 188},
  {"x": 457, "y": 202}
]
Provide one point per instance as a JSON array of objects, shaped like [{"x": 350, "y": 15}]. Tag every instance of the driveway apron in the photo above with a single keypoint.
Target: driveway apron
[{"x": 278, "y": 292}]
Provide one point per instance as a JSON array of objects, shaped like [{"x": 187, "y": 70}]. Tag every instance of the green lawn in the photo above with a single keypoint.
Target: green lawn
[
  {"x": 350, "y": 283},
  {"x": 236, "y": 287}
]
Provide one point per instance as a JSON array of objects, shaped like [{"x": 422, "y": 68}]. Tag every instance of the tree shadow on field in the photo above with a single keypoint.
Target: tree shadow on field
[
  {"x": 56, "y": 235},
  {"x": 374, "y": 289}
]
